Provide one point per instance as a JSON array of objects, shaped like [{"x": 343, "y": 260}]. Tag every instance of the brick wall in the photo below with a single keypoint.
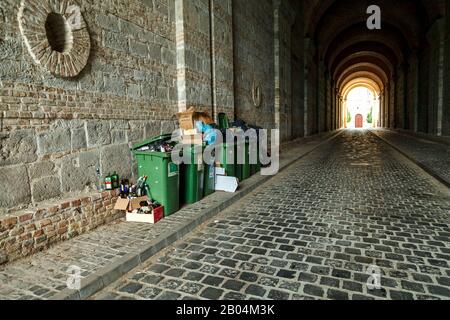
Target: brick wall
[
  {"x": 56, "y": 132},
  {"x": 29, "y": 231},
  {"x": 148, "y": 60}
]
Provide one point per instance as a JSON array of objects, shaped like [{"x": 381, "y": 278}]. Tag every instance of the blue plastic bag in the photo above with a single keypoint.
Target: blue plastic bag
[{"x": 210, "y": 135}]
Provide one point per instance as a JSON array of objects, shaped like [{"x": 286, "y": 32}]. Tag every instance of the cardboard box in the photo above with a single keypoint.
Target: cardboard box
[
  {"x": 190, "y": 132},
  {"x": 227, "y": 184},
  {"x": 156, "y": 215},
  {"x": 122, "y": 204},
  {"x": 220, "y": 171},
  {"x": 192, "y": 139},
  {"x": 130, "y": 205},
  {"x": 186, "y": 119}
]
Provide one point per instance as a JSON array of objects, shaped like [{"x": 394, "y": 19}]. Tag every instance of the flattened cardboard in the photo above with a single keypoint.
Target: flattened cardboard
[
  {"x": 192, "y": 139},
  {"x": 122, "y": 204},
  {"x": 220, "y": 171},
  {"x": 186, "y": 119},
  {"x": 190, "y": 132},
  {"x": 227, "y": 184}
]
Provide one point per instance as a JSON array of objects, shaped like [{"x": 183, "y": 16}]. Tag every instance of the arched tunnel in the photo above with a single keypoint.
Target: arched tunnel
[
  {"x": 347, "y": 199},
  {"x": 402, "y": 63}
]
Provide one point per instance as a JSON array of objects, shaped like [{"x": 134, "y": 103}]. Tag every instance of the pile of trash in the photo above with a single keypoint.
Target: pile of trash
[{"x": 159, "y": 146}]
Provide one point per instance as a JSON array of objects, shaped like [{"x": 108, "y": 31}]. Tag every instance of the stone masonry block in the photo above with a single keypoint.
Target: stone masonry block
[
  {"x": 42, "y": 169},
  {"x": 46, "y": 188},
  {"x": 130, "y": 29},
  {"x": 134, "y": 91},
  {"x": 152, "y": 129},
  {"x": 17, "y": 147},
  {"x": 14, "y": 186},
  {"x": 168, "y": 56},
  {"x": 137, "y": 132},
  {"x": 98, "y": 133},
  {"x": 115, "y": 41},
  {"x": 168, "y": 126},
  {"x": 120, "y": 124},
  {"x": 108, "y": 22},
  {"x": 79, "y": 139},
  {"x": 78, "y": 172},
  {"x": 155, "y": 52},
  {"x": 118, "y": 136},
  {"x": 116, "y": 158},
  {"x": 10, "y": 49},
  {"x": 54, "y": 141},
  {"x": 139, "y": 49},
  {"x": 115, "y": 85}
]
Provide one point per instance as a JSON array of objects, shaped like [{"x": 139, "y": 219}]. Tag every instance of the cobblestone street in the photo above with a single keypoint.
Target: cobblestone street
[{"x": 312, "y": 232}]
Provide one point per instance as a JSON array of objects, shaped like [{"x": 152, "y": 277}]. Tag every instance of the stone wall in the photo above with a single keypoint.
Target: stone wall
[
  {"x": 400, "y": 97},
  {"x": 424, "y": 75},
  {"x": 446, "y": 108},
  {"x": 56, "y": 132},
  {"x": 147, "y": 61},
  {"x": 205, "y": 55},
  {"x": 311, "y": 81},
  {"x": 412, "y": 93},
  {"x": 253, "y": 33}
]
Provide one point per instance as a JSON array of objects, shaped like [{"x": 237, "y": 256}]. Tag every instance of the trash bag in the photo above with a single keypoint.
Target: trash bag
[
  {"x": 210, "y": 135},
  {"x": 159, "y": 146}
]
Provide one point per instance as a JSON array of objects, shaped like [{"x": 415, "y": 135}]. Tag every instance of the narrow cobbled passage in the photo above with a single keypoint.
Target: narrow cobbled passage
[{"x": 312, "y": 233}]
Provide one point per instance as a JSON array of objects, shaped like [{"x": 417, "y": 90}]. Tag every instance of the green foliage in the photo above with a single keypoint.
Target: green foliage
[
  {"x": 349, "y": 117},
  {"x": 370, "y": 116}
]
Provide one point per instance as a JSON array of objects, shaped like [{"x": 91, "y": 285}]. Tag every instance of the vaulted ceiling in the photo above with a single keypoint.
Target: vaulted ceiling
[{"x": 351, "y": 51}]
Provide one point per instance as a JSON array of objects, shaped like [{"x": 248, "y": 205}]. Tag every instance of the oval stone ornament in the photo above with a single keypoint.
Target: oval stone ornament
[{"x": 56, "y": 35}]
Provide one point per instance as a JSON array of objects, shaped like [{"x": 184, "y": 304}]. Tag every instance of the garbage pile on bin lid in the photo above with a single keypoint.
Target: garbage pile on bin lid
[
  {"x": 197, "y": 127},
  {"x": 159, "y": 146},
  {"x": 209, "y": 134}
]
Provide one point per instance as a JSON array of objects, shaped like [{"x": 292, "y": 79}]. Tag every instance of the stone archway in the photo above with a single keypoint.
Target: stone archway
[{"x": 55, "y": 35}]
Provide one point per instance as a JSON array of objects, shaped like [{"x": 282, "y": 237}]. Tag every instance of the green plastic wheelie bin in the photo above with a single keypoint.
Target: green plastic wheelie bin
[
  {"x": 243, "y": 169},
  {"x": 227, "y": 159},
  {"x": 192, "y": 176},
  {"x": 223, "y": 121},
  {"x": 255, "y": 167},
  {"x": 163, "y": 174},
  {"x": 209, "y": 186}
]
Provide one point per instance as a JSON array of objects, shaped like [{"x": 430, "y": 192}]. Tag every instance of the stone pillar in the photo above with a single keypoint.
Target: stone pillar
[
  {"x": 284, "y": 19},
  {"x": 446, "y": 107},
  {"x": 413, "y": 92},
  {"x": 222, "y": 59},
  {"x": 436, "y": 37},
  {"x": 277, "y": 120},
  {"x": 392, "y": 102},
  {"x": 333, "y": 105},
  {"x": 387, "y": 101},
  {"x": 307, "y": 102}
]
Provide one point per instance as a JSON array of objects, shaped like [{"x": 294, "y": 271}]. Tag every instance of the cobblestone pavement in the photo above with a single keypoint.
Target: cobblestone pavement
[
  {"x": 45, "y": 274},
  {"x": 312, "y": 232},
  {"x": 432, "y": 155}
]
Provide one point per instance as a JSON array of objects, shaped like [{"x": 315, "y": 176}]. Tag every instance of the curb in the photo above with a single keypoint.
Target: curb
[
  {"x": 413, "y": 160},
  {"x": 107, "y": 275}
]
